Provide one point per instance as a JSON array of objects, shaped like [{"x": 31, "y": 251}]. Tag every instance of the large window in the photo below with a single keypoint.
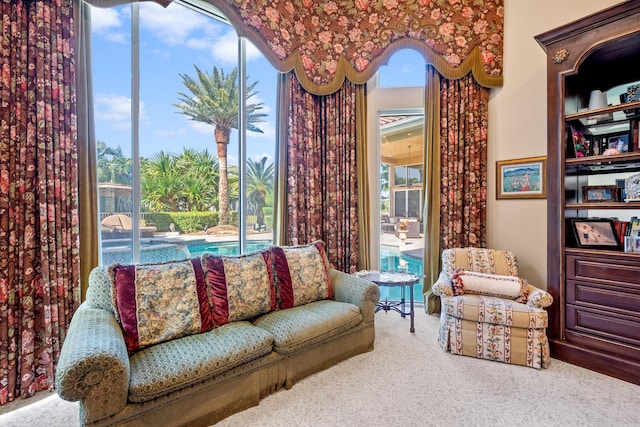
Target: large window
[{"x": 162, "y": 151}]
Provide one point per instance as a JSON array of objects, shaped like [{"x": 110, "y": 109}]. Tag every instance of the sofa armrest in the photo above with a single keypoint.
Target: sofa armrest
[
  {"x": 94, "y": 364},
  {"x": 538, "y": 298},
  {"x": 357, "y": 291},
  {"x": 443, "y": 287}
]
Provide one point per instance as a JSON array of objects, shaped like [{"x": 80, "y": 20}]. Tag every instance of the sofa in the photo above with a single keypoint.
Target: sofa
[
  {"x": 190, "y": 342},
  {"x": 488, "y": 311}
]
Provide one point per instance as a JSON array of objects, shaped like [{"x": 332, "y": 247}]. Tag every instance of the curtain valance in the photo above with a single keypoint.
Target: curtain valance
[{"x": 324, "y": 42}]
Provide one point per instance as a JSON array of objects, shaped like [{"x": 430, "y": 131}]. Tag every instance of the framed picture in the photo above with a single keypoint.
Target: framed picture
[
  {"x": 619, "y": 142},
  {"x": 600, "y": 193},
  {"x": 521, "y": 178},
  {"x": 595, "y": 233}
]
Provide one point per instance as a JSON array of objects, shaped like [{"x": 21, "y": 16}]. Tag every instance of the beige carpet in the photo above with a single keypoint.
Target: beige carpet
[{"x": 409, "y": 381}]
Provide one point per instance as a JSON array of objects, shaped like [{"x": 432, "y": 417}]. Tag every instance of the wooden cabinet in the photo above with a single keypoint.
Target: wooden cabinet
[{"x": 594, "y": 321}]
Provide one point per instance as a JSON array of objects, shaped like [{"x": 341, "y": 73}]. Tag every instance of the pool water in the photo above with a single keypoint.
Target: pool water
[
  {"x": 394, "y": 260},
  {"x": 227, "y": 248}
]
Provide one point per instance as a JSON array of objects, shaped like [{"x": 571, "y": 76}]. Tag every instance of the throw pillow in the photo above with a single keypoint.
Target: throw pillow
[
  {"x": 160, "y": 302},
  {"x": 302, "y": 274},
  {"x": 242, "y": 287},
  {"x": 471, "y": 282}
]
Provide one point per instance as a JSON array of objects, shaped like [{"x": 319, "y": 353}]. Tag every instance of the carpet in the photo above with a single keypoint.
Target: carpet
[{"x": 409, "y": 381}]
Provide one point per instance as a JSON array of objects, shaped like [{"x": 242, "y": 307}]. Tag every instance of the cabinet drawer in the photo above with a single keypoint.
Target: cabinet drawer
[
  {"x": 603, "y": 296},
  {"x": 607, "y": 270},
  {"x": 620, "y": 328}
]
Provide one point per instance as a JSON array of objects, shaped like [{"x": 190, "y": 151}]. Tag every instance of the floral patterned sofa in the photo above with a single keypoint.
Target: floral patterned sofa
[
  {"x": 488, "y": 311},
  {"x": 191, "y": 342}
]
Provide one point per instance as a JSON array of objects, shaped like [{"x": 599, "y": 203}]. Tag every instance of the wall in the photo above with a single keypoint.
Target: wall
[{"x": 517, "y": 125}]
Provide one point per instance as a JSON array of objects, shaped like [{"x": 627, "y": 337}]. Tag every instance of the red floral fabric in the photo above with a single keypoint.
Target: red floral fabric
[
  {"x": 324, "y": 41},
  {"x": 322, "y": 192},
  {"x": 39, "y": 258},
  {"x": 463, "y": 199}
]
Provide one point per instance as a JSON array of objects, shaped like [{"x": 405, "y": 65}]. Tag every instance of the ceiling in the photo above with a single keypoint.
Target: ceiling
[{"x": 401, "y": 139}]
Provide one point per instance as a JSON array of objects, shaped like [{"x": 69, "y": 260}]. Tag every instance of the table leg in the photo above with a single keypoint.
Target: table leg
[
  {"x": 412, "y": 328},
  {"x": 402, "y": 300}
]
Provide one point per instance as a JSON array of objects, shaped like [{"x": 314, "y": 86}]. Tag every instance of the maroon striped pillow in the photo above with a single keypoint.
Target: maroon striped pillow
[
  {"x": 302, "y": 274},
  {"x": 241, "y": 287},
  {"x": 159, "y": 302}
]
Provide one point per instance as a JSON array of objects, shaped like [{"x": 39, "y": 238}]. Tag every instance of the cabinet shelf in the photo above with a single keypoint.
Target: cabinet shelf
[
  {"x": 602, "y": 205},
  {"x": 622, "y": 159},
  {"x": 600, "y": 111}
]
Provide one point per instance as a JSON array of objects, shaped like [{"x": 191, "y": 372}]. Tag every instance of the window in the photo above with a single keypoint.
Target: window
[{"x": 159, "y": 166}]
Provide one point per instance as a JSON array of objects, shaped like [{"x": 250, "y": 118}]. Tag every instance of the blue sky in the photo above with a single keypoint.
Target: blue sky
[{"x": 172, "y": 40}]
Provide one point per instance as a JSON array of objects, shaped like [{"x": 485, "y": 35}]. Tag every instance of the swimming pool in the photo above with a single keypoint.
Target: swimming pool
[{"x": 394, "y": 260}]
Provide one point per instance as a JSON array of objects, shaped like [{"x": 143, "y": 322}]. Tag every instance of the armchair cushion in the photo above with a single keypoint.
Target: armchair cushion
[{"x": 471, "y": 282}]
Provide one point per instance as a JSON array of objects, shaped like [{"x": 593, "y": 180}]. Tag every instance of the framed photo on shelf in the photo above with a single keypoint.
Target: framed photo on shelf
[
  {"x": 620, "y": 143},
  {"x": 600, "y": 193},
  {"x": 594, "y": 233},
  {"x": 521, "y": 178}
]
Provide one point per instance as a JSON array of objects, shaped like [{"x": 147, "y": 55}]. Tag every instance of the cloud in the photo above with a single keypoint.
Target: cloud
[
  {"x": 104, "y": 21},
  {"x": 116, "y": 110},
  {"x": 258, "y": 157},
  {"x": 268, "y": 129},
  {"x": 175, "y": 24},
  {"x": 225, "y": 49}
]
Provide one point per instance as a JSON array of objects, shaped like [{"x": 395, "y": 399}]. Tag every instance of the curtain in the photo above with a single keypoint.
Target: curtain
[
  {"x": 364, "y": 215},
  {"x": 280, "y": 180},
  {"x": 321, "y": 190},
  {"x": 431, "y": 210},
  {"x": 39, "y": 245},
  {"x": 464, "y": 115},
  {"x": 87, "y": 160}
]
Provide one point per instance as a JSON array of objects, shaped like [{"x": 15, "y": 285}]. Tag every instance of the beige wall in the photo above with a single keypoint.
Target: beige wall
[{"x": 517, "y": 125}]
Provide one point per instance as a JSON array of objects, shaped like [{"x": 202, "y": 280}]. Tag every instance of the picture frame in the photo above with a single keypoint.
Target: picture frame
[
  {"x": 619, "y": 142},
  {"x": 521, "y": 178},
  {"x": 600, "y": 193},
  {"x": 595, "y": 233}
]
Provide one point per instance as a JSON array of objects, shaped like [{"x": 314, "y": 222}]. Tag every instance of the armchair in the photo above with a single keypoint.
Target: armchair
[{"x": 479, "y": 324}]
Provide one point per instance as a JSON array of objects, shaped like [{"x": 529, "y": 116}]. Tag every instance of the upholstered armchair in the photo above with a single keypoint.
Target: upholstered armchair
[{"x": 488, "y": 311}]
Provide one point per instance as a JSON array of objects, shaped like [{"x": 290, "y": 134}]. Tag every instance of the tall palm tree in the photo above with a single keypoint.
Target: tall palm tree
[
  {"x": 214, "y": 100},
  {"x": 259, "y": 184}
]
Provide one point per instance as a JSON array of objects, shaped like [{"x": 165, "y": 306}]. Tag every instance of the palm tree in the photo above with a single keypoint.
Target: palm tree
[
  {"x": 113, "y": 166},
  {"x": 259, "y": 184},
  {"x": 214, "y": 100}
]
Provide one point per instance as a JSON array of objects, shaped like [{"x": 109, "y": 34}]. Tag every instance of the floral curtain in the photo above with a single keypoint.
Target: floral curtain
[
  {"x": 462, "y": 160},
  {"x": 321, "y": 189},
  {"x": 326, "y": 41},
  {"x": 39, "y": 262},
  {"x": 463, "y": 152}
]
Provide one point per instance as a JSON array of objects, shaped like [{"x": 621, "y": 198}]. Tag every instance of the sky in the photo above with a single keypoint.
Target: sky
[{"x": 172, "y": 41}]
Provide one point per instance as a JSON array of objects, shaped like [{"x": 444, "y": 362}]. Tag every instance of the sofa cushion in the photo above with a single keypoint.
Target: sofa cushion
[
  {"x": 471, "y": 282},
  {"x": 302, "y": 274},
  {"x": 173, "y": 365},
  {"x": 301, "y": 326},
  {"x": 497, "y": 311},
  {"x": 242, "y": 287},
  {"x": 160, "y": 302}
]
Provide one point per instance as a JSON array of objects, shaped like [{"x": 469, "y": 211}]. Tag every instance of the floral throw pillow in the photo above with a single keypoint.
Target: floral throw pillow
[
  {"x": 160, "y": 302},
  {"x": 471, "y": 282},
  {"x": 242, "y": 287},
  {"x": 302, "y": 274}
]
